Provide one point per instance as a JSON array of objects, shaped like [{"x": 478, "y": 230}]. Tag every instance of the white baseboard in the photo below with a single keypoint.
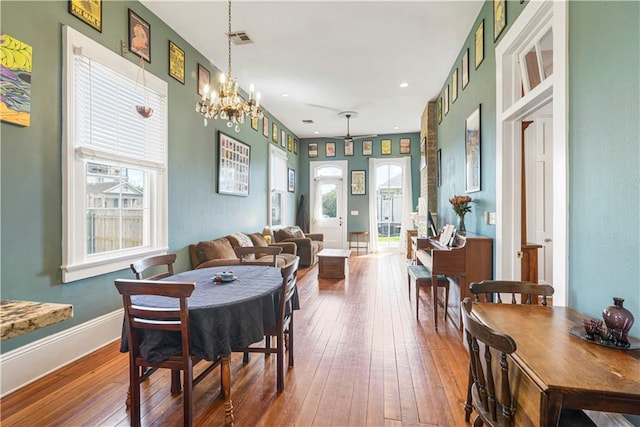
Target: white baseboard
[{"x": 28, "y": 363}]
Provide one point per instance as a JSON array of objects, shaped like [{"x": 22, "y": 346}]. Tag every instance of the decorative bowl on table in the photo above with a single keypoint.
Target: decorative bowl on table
[{"x": 224, "y": 276}]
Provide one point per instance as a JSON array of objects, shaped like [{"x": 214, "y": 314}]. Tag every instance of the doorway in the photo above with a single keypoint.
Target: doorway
[
  {"x": 389, "y": 206},
  {"x": 328, "y": 203}
]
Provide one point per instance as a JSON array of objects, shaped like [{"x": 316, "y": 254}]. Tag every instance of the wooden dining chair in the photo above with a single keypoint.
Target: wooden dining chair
[
  {"x": 139, "y": 318},
  {"x": 143, "y": 266},
  {"x": 284, "y": 324},
  {"x": 258, "y": 255}
]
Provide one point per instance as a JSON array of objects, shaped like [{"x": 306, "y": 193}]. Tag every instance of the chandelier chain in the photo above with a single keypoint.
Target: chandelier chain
[{"x": 229, "y": 41}]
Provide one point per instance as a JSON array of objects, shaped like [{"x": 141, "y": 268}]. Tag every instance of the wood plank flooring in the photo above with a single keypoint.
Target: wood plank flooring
[{"x": 361, "y": 358}]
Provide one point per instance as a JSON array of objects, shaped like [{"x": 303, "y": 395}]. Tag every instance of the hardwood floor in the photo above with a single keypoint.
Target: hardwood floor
[{"x": 361, "y": 358}]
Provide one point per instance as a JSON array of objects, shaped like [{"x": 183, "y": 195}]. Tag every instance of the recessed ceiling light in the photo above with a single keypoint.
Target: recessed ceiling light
[
  {"x": 396, "y": 127},
  {"x": 404, "y": 84},
  {"x": 317, "y": 132},
  {"x": 285, "y": 95}
]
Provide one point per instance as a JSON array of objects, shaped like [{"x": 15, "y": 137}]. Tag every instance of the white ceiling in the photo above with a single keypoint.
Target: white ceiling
[{"x": 332, "y": 56}]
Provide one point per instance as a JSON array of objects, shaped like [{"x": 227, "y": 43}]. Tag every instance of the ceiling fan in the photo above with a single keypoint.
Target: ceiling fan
[{"x": 348, "y": 137}]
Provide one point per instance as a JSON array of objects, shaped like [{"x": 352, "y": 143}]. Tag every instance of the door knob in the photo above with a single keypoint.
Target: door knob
[{"x": 548, "y": 240}]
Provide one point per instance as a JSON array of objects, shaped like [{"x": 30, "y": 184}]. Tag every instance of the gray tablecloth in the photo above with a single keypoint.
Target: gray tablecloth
[{"x": 221, "y": 316}]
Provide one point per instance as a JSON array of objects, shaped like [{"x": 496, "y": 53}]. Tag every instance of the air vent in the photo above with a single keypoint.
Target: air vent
[
  {"x": 307, "y": 122},
  {"x": 240, "y": 37}
]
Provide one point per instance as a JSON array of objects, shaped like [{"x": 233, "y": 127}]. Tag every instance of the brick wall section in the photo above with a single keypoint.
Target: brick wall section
[{"x": 428, "y": 129}]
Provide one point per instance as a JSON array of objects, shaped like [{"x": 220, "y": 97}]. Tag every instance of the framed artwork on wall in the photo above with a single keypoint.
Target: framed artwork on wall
[
  {"x": 265, "y": 127},
  {"x": 465, "y": 68},
  {"x": 439, "y": 110},
  {"x": 254, "y": 123},
  {"x": 283, "y": 139},
  {"x": 423, "y": 153},
  {"x": 16, "y": 95},
  {"x": 439, "y": 167},
  {"x": 291, "y": 180},
  {"x": 233, "y": 166},
  {"x": 499, "y": 17},
  {"x": 176, "y": 62},
  {"x": 405, "y": 146},
  {"x": 274, "y": 132},
  {"x": 446, "y": 100},
  {"x": 348, "y": 148},
  {"x": 385, "y": 146},
  {"x": 367, "y": 148},
  {"x": 139, "y": 36},
  {"x": 289, "y": 143},
  {"x": 295, "y": 146},
  {"x": 358, "y": 183},
  {"x": 479, "y": 51},
  {"x": 472, "y": 151},
  {"x": 312, "y": 150},
  {"x": 330, "y": 149},
  {"x": 204, "y": 77},
  {"x": 89, "y": 12},
  {"x": 454, "y": 86}
]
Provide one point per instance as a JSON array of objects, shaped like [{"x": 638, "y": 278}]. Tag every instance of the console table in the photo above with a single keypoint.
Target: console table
[{"x": 357, "y": 235}]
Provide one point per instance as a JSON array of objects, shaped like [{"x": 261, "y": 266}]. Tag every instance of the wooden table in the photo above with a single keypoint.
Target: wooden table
[
  {"x": 21, "y": 317},
  {"x": 558, "y": 370},
  {"x": 357, "y": 235},
  {"x": 332, "y": 263}
]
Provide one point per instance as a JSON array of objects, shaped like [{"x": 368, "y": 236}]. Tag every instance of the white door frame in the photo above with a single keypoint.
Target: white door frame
[
  {"x": 343, "y": 165},
  {"x": 508, "y": 140}
]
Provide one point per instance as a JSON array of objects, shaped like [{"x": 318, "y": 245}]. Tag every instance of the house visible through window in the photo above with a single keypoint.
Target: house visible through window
[
  {"x": 114, "y": 161},
  {"x": 278, "y": 181}
]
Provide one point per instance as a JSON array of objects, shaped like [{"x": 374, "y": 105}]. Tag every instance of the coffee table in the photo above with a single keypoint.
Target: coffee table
[{"x": 332, "y": 263}]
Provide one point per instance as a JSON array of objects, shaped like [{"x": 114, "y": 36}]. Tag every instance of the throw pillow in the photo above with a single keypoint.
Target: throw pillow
[
  {"x": 283, "y": 234},
  {"x": 240, "y": 239},
  {"x": 297, "y": 232},
  {"x": 258, "y": 240},
  {"x": 215, "y": 249}
]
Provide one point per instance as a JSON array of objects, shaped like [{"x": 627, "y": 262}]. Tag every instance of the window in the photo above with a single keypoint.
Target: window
[
  {"x": 278, "y": 180},
  {"x": 536, "y": 60},
  {"x": 114, "y": 161}
]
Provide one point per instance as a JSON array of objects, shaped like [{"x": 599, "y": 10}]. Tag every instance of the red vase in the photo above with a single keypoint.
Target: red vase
[{"x": 618, "y": 320}]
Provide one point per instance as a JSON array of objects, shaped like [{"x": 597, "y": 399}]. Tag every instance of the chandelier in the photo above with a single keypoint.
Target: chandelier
[{"x": 226, "y": 103}]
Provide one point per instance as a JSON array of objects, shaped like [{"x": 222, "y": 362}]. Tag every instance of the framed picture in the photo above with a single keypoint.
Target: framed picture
[
  {"x": 472, "y": 151},
  {"x": 367, "y": 148},
  {"x": 385, "y": 146},
  {"x": 499, "y": 17},
  {"x": 289, "y": 143},
  {"x": 405, "y": 146},
  {"x": 233, "y": 166},
  {"x": 423, "y": 153},
  {"x": 254, "y": 123},
  {"x": 291, "y": 180},
  {"x": 204, "y": 77},
  {"x": 89, "y": 12},
  {"x": 465, "y": 68},
  {"x": 348, "y": 148},
  {"x": 176, "y": 62},
  {"x": 446, "y": 100},
  {"x": 439, "y": 110},
  {"x": 295, "y": 146},
  {"x": 274, "y": 132},
  {"x": 330, "y": 149},
  {"x": 265, "y": 127},
  {"x": 479, "y": 52},
  {"x": 454, "y": 86},
  {"x": 312, "y": 150},
  {"x": 139, "y": 36},
  {"x": 439, "y": 167},
  {"x": 358, "y": 183},
  {"x": 283, "y": 139}
]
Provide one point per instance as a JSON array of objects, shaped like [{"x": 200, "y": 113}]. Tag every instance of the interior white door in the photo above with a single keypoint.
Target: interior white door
[{"x": 328, "y": 203}]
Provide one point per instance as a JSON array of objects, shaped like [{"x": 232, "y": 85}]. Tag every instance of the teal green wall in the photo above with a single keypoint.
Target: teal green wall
[
  {"x": 359, "y": 162},
  {"x": 31, "y": 175},
  {"x": 604, "y": 154}
]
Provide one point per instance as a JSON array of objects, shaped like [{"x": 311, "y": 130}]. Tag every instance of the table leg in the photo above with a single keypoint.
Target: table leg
[
  {"x": 225, "y": 371},
  {"x": 550, "y": 408},
  {"x": 434, "y": 294}
]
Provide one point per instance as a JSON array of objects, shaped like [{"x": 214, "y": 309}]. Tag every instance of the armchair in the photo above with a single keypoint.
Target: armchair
[{"x": 308, "y": 244}]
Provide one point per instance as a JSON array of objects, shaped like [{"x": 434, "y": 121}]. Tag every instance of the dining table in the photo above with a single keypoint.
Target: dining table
[
  {"x": 222, "y": 316},
  {"x": 558, "y": 368}
]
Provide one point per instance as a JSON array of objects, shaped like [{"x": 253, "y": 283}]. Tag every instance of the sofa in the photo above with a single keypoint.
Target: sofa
[
  {"x": 220, "y": 251},
  {"x": 308, "y": 244}
]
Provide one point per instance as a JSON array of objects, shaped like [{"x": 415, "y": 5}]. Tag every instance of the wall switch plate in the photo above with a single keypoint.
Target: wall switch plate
[
  {"x": 355, "y": 213},
  {"x": 486, "y": 218},
  {"x": 492, "y": 218}
]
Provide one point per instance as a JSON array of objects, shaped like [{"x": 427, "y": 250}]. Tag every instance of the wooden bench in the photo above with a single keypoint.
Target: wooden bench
[{"x": 422, "y": 277}]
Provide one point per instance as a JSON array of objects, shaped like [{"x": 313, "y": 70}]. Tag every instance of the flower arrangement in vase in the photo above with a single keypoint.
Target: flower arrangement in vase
[{"x": 461, "y": 206}]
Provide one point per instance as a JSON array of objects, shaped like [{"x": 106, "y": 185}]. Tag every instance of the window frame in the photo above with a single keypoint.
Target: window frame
[
  {"x": 77, "y": 264},
  {"x": 277, "y": 155}
]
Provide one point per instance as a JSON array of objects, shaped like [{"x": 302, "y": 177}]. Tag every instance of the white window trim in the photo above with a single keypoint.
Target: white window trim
[
  {"x": 281, "y": 154},
  {"x": 76, "y": 264}
]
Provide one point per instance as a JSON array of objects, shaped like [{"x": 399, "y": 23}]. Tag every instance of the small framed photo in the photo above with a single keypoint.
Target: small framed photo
[
  {"x": 405, "y": 146},
  {"x": 265, "y": 127},
  {"x": 295, "y": 146},
  {"x": 283, "y": 139},
  {"x": 367, "y": 148},
  {"x": 234, "y": 161},
  {"x": 423, "y": 153},
  {"x": 465, "y": 68},
  {"x": 446, "y": 100},
  {"x": 348, "y": 148},
  {"x": 472, "y": 151},
  {"x": 312, "y": 150},
  {"x": 330, "y": 149},
  {"x": 291, "y": 180},
  {"x": 289, "y": 143},
  {"x": 274, "y": 132},
  {"x": 499, "y": 17},
  {"x": 89, "y": 12},
  {"x": 139, "y": 36},
  {"x": 479, "y": 51},
  {"x": 439, "y": 110},
  {"x": 385, "y": 146},
  {"x": 454, "y": 86},
  {"x": 255, "y": 123},
  {"x": 176, "y": 62},
  {"x": 358, "y": 183},
  {"x": 204, "y": 78}
]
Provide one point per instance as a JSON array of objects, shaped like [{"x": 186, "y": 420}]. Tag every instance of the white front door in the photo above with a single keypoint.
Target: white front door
[{"x": 328, "y": 204}]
